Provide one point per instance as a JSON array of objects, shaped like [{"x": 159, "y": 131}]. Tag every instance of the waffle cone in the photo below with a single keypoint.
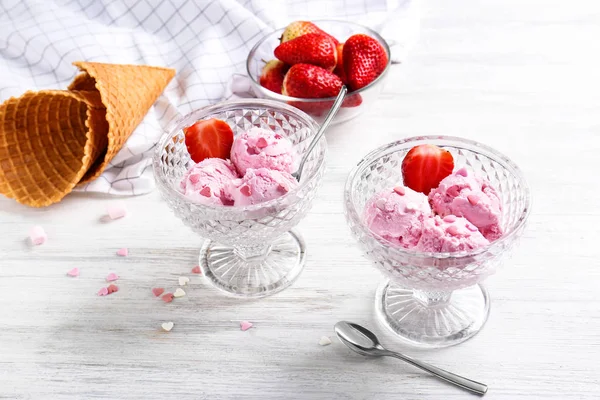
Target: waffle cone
[
  {"x": 127, "y": 92},
  {"x": 49, "y": 140}
]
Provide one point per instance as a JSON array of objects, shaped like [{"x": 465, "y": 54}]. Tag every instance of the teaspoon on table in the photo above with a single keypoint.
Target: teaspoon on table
[
  {"x": 334, "y": 109},
  {"x": 364, "y": 342}
]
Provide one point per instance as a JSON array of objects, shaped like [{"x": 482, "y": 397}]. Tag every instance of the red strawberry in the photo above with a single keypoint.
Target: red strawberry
[
  {"x": 339, "y": 67},
  {"x": 272, "y": 75},
  {"x": 208, "y": 138},
  {"x": 312, "y": 48},
  {"x": 364, "y": 60},
  {"x": 299, "y": 28},
  {"x": 352, "y": 100},
  {"x": 314, "y": 108},
  {"x": 309, "y": 81},
  {"x": 424, "y": 167}
]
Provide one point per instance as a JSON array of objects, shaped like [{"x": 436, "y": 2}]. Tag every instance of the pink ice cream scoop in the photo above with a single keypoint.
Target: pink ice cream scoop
[
  {"x": 465, "y": 195},
  {"x": 208, "y": 182},
  {"x": 260, "y": 185},
  {"x": 449, "y": 234},
  {"x": 397, "y": 215},
  {"x": 260, "y": 148}
]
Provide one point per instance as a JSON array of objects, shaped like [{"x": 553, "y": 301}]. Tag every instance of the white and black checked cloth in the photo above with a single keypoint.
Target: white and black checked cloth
[{"x": 206, "y": 41}]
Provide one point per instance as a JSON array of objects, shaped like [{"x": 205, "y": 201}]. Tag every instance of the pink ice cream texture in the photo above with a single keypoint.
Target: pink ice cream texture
[
  {"x": 449, "y": 234},
  {"x": 260, "y": 185},
  {"x": 397, "y": 215},
  {"x": 260, "y": 148},
  {"x": 465, "y": 195},
  {"x": 208, "y": 182}
]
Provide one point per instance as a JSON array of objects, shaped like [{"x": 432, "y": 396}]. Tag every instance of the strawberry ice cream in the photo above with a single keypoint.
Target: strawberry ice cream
[
  {"x": 260, "y": 148},
  {"x": 397, "y": 215},
  {"x": 449, "y": 234},
  {"x": 260, "y": 185},
  {"x": 208, "y": 182},
  {"x": 465, "y": 195}
]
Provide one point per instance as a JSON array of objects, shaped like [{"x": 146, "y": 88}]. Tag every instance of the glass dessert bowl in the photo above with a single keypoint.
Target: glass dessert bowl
[
  {"x": 250, "y": 251},
  {"x": 435, "y": 299},
  {"x": 356, "y": 102}
]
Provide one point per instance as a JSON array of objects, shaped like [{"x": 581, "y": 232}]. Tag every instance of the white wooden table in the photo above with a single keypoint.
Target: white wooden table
[{"x": 521, "y": 76}]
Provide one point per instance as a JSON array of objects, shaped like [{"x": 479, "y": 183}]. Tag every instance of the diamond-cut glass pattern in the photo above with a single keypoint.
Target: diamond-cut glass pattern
[{"x": 445, "y": 271}]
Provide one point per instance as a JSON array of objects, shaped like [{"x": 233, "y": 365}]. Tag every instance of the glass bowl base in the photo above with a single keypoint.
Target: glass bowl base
[
  {"x": 271, "y": 268},
  {"x": 432, "y": 319}
]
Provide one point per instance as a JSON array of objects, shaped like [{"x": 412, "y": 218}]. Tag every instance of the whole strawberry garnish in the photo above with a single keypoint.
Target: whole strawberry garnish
[
  {"x": 364, "y": 60},
  {"x": 309, "y": 81},
  {"x": 272, "y": 75},
  {"x": 299, "y": 28},
  {"x": 339, "y": 67},
  {"x": 424, "y": 167},
  {"x": 210, "y": 138},
  {"x": 312, "y": 48}
]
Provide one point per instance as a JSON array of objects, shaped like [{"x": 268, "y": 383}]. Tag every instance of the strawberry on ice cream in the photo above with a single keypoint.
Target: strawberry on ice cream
[
  {"x": 260, "y": 185},
  {"x": 449, "y": 234},
  {"x": 463, "y": 194},
  {"x": 208, "y": 181},
  {"x": 397, "y": 215},
  {"x": 260, "y": 148}
]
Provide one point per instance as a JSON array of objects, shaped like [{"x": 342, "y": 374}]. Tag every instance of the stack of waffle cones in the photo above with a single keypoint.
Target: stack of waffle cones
[{"x": 52, "y": 140}]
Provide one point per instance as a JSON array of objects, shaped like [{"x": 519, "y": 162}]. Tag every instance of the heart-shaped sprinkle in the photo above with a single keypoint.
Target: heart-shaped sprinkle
[
  {"x": 398, "y": 190},
  {"x": 450, "y": 218},
  {"x": 246, "y": 191},
  {"x": 112, "y": 289},
  {"x": 282, "y": 188},
  {"x": 325, "y": 341},
  {"x": 74, "y": 272},
  {"x": 112, "y": 277},
  {"x": 179, "y": 293},
  {"x": 167, "y": 326},
  {"x": 245, "y": 325},
  {"x": 206, "y": 191},
  {"x": 194, "y": 178},
  {"x": 117, "y": 211},
  {"x": 103, "y": 292},
  {"x": 462, "y": 172},
  {"x": 167, "y": 297},
  {"x": 473, "y": 199},
  {"x": 380, "y": 203},
  {"x": 196, "y": 270},
  {"x": 157, "y": 291},
  {"x": 123, "y": 252},
  {"x": 183, "y": 280},
  {"x": 261, "y": 143}
]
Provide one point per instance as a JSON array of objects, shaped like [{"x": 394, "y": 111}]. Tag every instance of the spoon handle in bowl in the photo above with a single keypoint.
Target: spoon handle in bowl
[{"x": 467, "y": 384}]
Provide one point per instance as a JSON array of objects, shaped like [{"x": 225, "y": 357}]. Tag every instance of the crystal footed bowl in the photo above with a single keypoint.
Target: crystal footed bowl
[
  {"x": 433, "y": 299},
  {"x": 250, "y": 251},
  {"x": 356, "y": 102}
]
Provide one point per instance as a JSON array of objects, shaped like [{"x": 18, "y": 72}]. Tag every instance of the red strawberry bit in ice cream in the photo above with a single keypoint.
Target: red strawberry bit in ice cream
[
  {"x": 465, "y": 195},
  {"x": 439, "y": 235},
  {"x": 260, "y": 148},
  {"x": 397, "y": 218}
]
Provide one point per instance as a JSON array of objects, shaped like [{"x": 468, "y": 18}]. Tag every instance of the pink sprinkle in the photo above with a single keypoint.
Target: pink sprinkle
[
  {"x": 112, "y": 277},
  {"x": 473, "y": 199},
  {"x": 400, "y": 190},
  {"x": 206, "y": 191},
  {"x": 103, "y": 292},
  {"x": 450, "y": 218},
  {"x": 117, "y": 211},
  {"x": 123, "y": 252},
  {"x": 245, "y": 325},
  {"x": 74, "y": 272},
  {"x": 278, "y": 136},
  {"x": 37, "y": 235},
  {"x": 167, "y": 297},
  {"x": 246, "y": 191},
  {"x": 195, "y": 178},
  {"x": 196, "y": 270},
  {"x": 158, "y": 291},
  {"x": 472, "y": 227},
  {"x": 453, "y": 230},
  {"x": 380, "y": 203},
  {"x": 261, "y": 143},
  {"x": 112, "y": 288},
  {"x": 282, "y": 188},
  {"x": 462, "y": 172}
]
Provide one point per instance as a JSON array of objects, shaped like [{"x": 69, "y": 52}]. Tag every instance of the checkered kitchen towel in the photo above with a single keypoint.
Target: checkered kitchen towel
[{"x": 206, "y": 41}]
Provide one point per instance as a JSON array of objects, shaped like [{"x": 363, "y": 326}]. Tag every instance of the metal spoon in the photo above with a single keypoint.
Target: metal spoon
[
  {"x": 365, "y": 343},
  {"x": 334, "y": 109}
]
